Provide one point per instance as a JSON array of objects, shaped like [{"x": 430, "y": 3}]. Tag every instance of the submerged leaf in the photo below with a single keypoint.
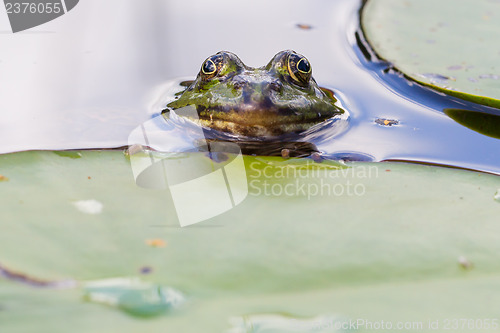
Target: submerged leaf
[{"x": 133, "y": 296}]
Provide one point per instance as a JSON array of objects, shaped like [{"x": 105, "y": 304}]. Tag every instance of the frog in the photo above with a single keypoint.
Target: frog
[{"x": 266, "y": 102}]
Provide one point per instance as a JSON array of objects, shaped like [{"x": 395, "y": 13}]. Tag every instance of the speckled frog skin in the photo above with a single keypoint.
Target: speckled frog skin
[{"x": 281, "y": 97}]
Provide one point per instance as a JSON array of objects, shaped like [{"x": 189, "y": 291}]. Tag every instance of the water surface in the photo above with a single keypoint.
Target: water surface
[{"x": 86, "y": 81}]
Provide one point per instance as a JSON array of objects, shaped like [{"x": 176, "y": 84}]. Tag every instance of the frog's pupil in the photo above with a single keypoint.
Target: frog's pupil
[
  {"x": 208, "y": 67},
  {"x": 303, "y": 65}
]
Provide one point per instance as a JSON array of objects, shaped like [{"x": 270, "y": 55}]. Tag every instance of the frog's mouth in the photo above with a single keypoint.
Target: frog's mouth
[
  {"x": 254, "y": 130},
  {"x": 260, "y": 122}
]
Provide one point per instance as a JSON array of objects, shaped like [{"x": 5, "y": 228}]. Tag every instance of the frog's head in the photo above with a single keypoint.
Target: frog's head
[{"x": 280, "y": 98}]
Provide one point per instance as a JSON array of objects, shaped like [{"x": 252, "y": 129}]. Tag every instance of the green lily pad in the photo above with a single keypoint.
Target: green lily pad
[
  {"x": 485, "y": 123},
  {"x": 449, "y": 46},
  {"x": 394, "y": 242}
]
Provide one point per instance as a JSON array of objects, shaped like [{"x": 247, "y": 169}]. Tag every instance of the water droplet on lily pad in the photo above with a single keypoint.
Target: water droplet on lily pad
[
  {"x": 497, "y": 196},
  {"x": 465, "y": 263},
  {"x": 134, "y": 296},
  {"x": 89, "y": 206},
  {"x": 279, "y": 323}
]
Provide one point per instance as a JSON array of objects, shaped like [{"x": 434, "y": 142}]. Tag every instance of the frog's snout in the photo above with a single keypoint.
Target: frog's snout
[
  {"x": 261, "y": 96},
  {"x": 274, "y": 85}
]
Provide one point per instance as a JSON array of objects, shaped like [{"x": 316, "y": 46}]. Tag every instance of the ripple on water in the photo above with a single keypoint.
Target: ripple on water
[{"x": 171, "y": 131}]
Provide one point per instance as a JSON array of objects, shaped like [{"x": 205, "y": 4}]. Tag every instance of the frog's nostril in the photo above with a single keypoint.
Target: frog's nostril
[
  {"x": 238, "y": 85},
  {"x": 275, "y": 86}
]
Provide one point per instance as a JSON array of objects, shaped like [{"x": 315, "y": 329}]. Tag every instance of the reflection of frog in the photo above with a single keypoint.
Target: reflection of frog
[{"x": 279, "y": 98}]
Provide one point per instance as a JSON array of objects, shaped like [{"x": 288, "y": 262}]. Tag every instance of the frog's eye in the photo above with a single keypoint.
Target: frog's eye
[
  {"x": 208, "y": 67},
  {"x": 299, "y": 68},
  {"x": 212, "y": 66}
]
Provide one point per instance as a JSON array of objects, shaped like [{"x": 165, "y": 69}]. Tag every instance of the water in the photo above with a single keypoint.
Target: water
[{"x": 81, "y": 83}]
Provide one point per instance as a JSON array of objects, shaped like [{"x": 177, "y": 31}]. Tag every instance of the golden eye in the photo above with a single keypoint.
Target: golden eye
[
  {"x": 208, "y": 67},
  {"x": 303, "y": 66},
  {"x": 299, "y": 68},
  {"x": 212, "y": 66}
]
